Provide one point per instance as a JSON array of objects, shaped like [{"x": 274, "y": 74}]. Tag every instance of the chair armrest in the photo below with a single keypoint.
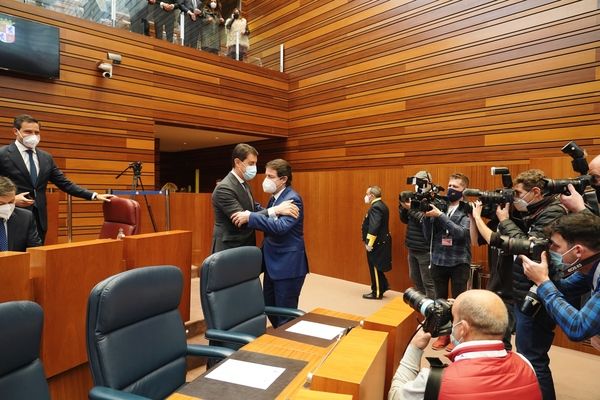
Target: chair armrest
[
  {"x": 209, "y": 351},
  {"x": 106, "y": 393},
  {"x": 283, "y": 311},
  {"x": 228, "y": 336}
]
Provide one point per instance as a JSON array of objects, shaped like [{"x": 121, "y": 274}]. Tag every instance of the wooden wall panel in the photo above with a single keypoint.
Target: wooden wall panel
[
  {"x": 382, "y": 89},
  {"x": 95, "y": 127}
]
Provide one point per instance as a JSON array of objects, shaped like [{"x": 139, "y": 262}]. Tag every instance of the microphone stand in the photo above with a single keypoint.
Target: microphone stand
[{"x": 136, "y": 167}]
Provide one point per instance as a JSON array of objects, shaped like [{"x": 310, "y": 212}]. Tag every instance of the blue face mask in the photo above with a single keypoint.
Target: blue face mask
[
  {"x": 250, "y": 172},
  {"x": 556, "y": 260},
  {"x": 453, "y": 338}
]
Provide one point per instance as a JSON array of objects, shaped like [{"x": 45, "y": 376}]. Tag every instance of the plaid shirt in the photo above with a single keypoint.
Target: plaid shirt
[
  {"x": 577, "y": 324},
  {"x": 456, "y": 228}
]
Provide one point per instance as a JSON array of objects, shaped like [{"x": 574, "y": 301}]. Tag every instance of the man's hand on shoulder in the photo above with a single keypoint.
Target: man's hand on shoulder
[
  {"x": 287, "y": 208},
  {"x": 22, "y": 201},
  {"x": 240, "y": 218}
]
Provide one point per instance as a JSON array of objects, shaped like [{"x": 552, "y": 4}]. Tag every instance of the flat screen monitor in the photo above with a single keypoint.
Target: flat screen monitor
[{"x": 28, "y": 47}]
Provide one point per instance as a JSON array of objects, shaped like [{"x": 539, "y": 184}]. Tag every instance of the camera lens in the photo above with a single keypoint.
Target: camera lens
[{"x": 417, "y": 301}]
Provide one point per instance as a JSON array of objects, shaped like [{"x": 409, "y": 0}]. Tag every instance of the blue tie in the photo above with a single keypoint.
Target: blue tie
[
  {"x": 3, "y": 239},
  {"x": 271, "y": 202},
  {"x": 32, "y": 169}
]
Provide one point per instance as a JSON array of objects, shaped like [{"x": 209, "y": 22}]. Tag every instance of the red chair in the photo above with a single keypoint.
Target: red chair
[{"x": 120, "y": 213}]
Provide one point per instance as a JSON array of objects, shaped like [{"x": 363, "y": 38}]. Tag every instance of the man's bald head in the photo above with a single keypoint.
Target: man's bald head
[{"x": 484, "y": 312}]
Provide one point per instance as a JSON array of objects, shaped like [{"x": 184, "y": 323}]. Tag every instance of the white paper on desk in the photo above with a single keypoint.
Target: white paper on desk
[
  {"x": 316, "y": 329},
  {"x": 245, "y": 373}
]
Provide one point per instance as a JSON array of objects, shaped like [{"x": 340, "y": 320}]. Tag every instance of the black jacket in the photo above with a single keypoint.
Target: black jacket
[
  {"x": 376, "y": 223},
  {"x": 540, "y": 215},
  {"x": 415, "y": 239}
]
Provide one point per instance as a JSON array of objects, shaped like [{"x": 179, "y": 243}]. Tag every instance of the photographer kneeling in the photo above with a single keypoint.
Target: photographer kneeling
[
  {"x": 481, "y": 368},
  {"x": 575, "y": 247}
]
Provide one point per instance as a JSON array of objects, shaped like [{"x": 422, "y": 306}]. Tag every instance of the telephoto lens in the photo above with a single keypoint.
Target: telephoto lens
[{"x": 437, "y": 313}]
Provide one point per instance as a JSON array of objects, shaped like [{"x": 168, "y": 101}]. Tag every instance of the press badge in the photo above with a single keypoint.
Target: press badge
[{"x": 446, "y": 240}]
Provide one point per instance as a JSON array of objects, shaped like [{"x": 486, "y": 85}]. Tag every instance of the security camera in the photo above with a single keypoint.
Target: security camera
[
  {"x": 114, "y": 57},
  {"x": 106, "y": 68}
]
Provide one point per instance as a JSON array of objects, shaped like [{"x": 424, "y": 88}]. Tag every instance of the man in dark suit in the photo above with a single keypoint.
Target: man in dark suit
[
  {"x": 17, "y": 226},
  {"x": 31, "y": 169},
  {"x": 284, "y": 254},
  {"x": 233, "y": 194},
  {"x": 378, "y": 242}
]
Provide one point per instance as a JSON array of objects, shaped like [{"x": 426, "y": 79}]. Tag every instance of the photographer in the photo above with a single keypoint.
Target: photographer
[
  {"x": 534, "y": 333},
  {"x": 575, "y": 201},
  {"x": 451, "y": 246},
  {"x": 419, "y": 256},
  {"x": 575, "y": 239},
  {"x": 500, "y": 264},
  {"x": 481, "y": 368}
]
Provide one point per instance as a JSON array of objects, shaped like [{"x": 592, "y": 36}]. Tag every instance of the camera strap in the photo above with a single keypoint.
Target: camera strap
[
  {"x": 434, "y": 381},
  {"x": 581, "y": 264}
]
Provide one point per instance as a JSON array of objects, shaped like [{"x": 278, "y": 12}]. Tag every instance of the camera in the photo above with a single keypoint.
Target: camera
[
  {"x": 136, "y": 166},
  {"x": 492, "y": 199},
  {"x": 533, "y": 249},
  {"x": 106, "y": 68},
  {"x": 425, "y": 195},
  {"x": 437, "y": 313},
  {"x": 559, "y": 186},
  {"x": 579, "y": 162}
]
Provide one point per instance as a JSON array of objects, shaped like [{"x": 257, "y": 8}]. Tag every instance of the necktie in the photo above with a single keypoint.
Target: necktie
[
  {"x": 271, "y": 202},
  {"x": 32, "y": 169},
  {"x": 3, "y": 239},
  {"x": 247, "y": 189}
]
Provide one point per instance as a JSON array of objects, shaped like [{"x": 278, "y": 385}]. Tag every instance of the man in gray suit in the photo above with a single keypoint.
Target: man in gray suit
[
  {"x": 17, "y": 225},
  {"x": 233, "y": 194}
]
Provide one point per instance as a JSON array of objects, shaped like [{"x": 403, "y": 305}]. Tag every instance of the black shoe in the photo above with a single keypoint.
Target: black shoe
[{"x": 372, "y": 296}]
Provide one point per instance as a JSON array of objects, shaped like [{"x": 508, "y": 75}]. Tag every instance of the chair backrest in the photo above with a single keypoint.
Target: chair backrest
[
  {"x": 21, "y": 371},
  {"x": 231, "y": 293},
  {"x": 120, "y": 213},
  {"x": 135, "y": 336}
]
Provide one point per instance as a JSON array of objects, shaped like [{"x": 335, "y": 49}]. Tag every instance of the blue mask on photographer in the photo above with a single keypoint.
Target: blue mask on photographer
[
  {"x": 453, "y": 338},
  {"x": 454, "y": 195},
  {"x": 556, "y": 260}
]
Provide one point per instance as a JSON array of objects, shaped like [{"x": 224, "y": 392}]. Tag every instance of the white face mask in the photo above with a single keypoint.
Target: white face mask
[
  {"x": 213, "y": 4},
  {"x": 367, "y": 199},
  {"x": 30, "y": 141},
  {"x": 6, "y": 210},
  {"x": 269, "y": 186},
  {"x": 521, "y": 204},
  {"x": 453, "y": 338}
]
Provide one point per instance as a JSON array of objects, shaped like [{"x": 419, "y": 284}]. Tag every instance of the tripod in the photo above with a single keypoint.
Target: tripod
[{"x": 136, "y": 167}]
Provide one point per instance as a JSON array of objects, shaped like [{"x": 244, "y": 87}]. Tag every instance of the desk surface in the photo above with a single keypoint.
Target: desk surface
[{"x": 278, "y": 346}]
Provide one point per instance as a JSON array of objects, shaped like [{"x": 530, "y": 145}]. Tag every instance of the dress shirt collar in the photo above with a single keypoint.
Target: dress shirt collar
[
  {"x": 240, "y": 180},
  {"x": 22, "y": 148}
]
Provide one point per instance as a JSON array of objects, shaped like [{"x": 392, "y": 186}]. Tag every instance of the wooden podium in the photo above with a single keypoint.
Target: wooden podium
[
  {"x": 63, "y": 276},
  {"x": 398, "y": 320},
  {"x": 356, "y": 366},
  {"x": 163, "y": 248},
  {"x": 14, "y": 275}
]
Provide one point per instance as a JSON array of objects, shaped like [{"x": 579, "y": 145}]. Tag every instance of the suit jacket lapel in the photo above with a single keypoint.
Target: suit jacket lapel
[
  {"x": 242, "y": 194},
  {"x": 17, "y": 159}
]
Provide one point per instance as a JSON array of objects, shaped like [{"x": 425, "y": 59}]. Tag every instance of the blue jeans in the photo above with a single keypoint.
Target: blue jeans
[{"x": 534, "y": 337}]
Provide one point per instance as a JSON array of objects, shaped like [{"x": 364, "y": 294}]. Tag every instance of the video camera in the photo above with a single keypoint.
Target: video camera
[
  {"x": 136, "y": 166},
  {"x": 492, "y": 199},
  {"x": 437, "y": 313},
  {"x": 426, "y": 193}
]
